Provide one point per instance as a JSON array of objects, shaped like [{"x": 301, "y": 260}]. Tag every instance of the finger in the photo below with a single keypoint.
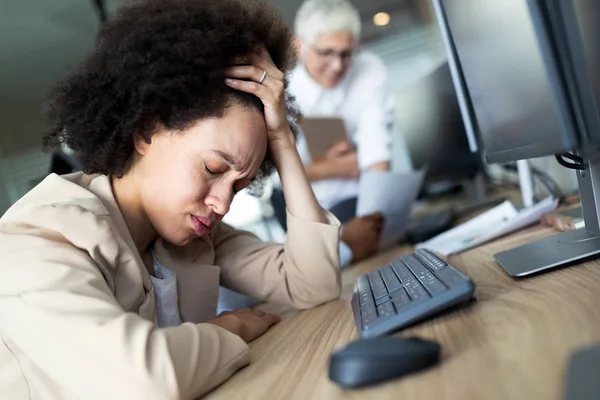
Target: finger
[
  {"x": 375, "y": 217},
  {"x": 249, "y": 72},
  {"x": 252, "y": 74},
  {"x": 265, "y": 53},
  {"x": 258, "y": 312},
  {"x": 255, "y": 88},
  {"x": 342, "y": 147},
  {"x": 379, "y": 224},
  {"x": 338, "y": 149},
  {"x": 271, "y": 319},
  {"x": 374, "y": 222},
  {"x": 270, "y": 97},
  {"x": 263, "y": 60}
]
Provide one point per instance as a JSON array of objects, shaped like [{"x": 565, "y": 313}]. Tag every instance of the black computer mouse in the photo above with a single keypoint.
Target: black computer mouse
[{"x": 368, "y": 361}]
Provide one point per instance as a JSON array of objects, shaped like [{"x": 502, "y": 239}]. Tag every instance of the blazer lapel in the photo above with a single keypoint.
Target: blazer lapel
[{"x": 131, "y": 263}]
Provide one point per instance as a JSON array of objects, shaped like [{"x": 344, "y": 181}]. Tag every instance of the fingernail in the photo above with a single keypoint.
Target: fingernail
[{"x": 229, "y": 81}]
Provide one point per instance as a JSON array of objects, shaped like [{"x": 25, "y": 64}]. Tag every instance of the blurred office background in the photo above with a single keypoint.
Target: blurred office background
[{"x": 40, "y": 40}]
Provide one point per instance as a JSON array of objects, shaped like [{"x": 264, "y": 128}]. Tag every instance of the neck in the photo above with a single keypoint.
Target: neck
[{"x": 127, "y": 196}]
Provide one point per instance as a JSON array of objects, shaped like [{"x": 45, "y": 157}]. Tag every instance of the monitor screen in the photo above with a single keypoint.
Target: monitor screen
[
  {"x": 580, "y": 21},
  {"x": 516, "y": 95},
  {"x": 587, "y": 12},
  {"x": 430, "y": 120}
]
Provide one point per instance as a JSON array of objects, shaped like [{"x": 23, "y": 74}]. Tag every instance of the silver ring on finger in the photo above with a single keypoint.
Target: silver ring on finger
[{"x": 263, "y": 77}]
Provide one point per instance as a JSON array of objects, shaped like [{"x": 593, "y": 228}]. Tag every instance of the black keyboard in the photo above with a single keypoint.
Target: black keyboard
[{"x": 405, "y": 291}]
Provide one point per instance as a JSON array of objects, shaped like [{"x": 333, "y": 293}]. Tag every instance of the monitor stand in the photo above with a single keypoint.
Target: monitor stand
[
  {"x": 565, "y": 247},
  {"x": 477, "y": 197}
]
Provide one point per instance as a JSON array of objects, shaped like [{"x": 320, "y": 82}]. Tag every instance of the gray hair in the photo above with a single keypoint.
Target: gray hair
[{"x": 323, "y": 16}]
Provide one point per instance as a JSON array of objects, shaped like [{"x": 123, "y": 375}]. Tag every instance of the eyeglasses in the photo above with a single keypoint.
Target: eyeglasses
[{"x": 329, "y": 55}]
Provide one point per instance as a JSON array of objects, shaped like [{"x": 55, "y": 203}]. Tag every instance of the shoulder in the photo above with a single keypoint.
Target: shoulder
[
  {"x": 368, "y": 75},
  {"x": 59, "y": 208},
  {"x": 57, "y": 190},
  {"x": 367, "y": 63}
]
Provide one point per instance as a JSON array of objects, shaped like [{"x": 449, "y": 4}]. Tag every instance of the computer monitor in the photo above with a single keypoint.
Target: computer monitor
[
  {"x": 530, "y": 70},
  {"x": 429, "y": 118}
]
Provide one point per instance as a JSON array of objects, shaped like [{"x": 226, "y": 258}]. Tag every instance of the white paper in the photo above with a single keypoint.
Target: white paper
[
  {"x": 496, "y": 222},
  {"x": 391, "y": 194}
]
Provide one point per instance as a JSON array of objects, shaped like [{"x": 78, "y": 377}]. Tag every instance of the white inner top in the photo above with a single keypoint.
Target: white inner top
[{"x": 166, "y": 295}]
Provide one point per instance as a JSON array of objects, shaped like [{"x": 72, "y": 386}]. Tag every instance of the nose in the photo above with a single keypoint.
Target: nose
[
  {"x": 336, "y": 64},
  {"x": 219, "y": 199}
]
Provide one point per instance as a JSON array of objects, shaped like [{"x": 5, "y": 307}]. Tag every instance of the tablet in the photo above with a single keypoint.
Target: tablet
[{"x": 323, "y": 132}]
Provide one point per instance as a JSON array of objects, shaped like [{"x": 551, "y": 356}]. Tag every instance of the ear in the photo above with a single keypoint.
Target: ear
[
  {"x": 142, "y": 143},
  {"x": 298, "y": 46}
]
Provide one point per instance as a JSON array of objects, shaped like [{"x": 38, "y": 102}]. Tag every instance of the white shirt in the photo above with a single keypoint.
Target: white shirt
[
  {"x": 166, "y": 295},
  {"x": 360, "y": 100}
]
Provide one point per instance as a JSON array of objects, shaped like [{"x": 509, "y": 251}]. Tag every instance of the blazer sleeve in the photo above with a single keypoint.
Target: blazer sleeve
[
  {"x": 303, "y": 272},
  {"x": 57, "y": 309}
]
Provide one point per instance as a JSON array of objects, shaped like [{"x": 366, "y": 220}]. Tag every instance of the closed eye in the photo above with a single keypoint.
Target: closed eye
[{"x": 209, "y": 171}]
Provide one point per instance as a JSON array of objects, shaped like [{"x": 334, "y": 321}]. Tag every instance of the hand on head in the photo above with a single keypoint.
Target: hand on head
[
  {"x": 262, "y": 79},
  {"x": 362, "y": 235}
]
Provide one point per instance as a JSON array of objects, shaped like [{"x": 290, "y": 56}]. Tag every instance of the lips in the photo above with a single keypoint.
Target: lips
[{"x": 202, "y": 225}]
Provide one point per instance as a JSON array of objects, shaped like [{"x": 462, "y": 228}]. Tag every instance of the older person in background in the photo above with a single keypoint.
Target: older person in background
[{"x": 334, "y": 79}]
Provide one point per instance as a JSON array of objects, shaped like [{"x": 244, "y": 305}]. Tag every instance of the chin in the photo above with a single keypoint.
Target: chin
[
  {"x": 178, "y": 240},
  {"x": 332, "y": 82}
]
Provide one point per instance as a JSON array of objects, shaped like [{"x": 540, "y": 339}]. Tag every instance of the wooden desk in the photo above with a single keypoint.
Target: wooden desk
[{"x": 512, "y": 343}]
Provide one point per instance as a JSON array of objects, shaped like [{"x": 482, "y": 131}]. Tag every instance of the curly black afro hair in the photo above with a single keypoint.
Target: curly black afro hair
[{"x": 162, "y": 62}]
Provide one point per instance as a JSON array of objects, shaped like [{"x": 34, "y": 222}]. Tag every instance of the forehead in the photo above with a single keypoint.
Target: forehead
[
  {"x": 240, "y": 134},
  {"x": 335, "y": 40},
  {"x": 241, "y": 137}
]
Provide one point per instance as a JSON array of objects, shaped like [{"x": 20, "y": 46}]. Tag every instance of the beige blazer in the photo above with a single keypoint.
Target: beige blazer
[{"x": 77, "y": 308}]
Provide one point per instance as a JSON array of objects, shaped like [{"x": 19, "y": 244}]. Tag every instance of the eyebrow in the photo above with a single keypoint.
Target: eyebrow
[{"x": 229, "y": 160}]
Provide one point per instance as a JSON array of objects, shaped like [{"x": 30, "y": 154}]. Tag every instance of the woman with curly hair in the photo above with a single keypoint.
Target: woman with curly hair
[{"x": 110, "y": 276}]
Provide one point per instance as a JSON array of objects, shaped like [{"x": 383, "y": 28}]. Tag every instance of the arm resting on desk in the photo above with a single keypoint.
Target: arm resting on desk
[{"x": 303, "y": 272}]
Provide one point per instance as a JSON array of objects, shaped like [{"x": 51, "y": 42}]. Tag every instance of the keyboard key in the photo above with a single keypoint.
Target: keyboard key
[
  {"x": 430, "y": 281},
  {"x": 365, "y": 298},
  {"x": 382, "y": 300},
  {"x": 364, "y": 291},
  {"x": 369, "y": 319},
  {"x": 434, "y": 285},
  {"x": 411, "y": 283},
  {"x": 377, "y": 285},
  {"x": 431, "y": 260},
  {"x": 402, "y": 272},
  {"x": 386, "y": 309},
  {"x": 451, "y": 277},
  {"x": 416, "y": 291},
  {"x": 400, "y": 298},
  {"x": 414, "y": 264},
  {"x": 368, "y": 309},
  {"x": 362, "y": 283},
  {"x": 390, "y": 279}
]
